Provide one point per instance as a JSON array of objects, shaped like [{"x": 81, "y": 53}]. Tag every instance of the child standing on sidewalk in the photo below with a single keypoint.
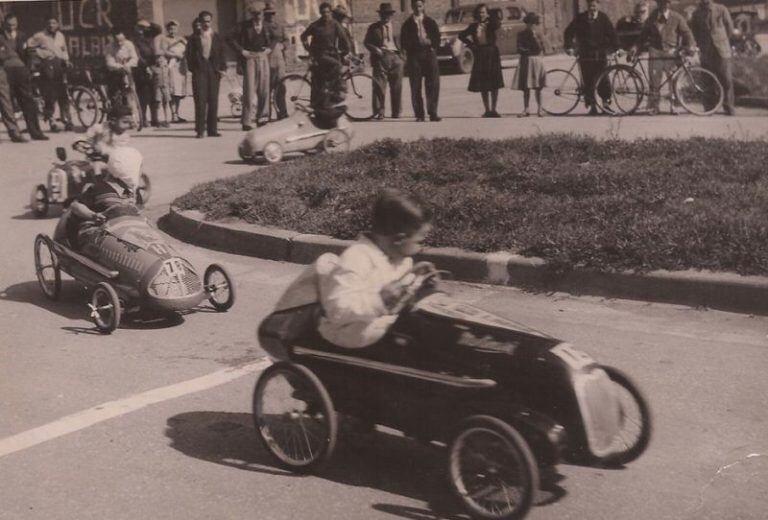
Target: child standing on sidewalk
[
  {"x": 531, "y": 73},
  {"x": 162, "y": 81}
]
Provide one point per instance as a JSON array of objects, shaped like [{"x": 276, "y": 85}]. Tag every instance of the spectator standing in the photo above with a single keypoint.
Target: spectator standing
[
  {"x": 276, "y": 59},
  {"x": 712, "y": 27},
  {"x": 341, "y": 15},
  {"x": 628, "y": 29},
  {"x": 121, "y": 59},
  {"x": 142, "y": 73},
  {"x": 486, "y": 76},
  {"x": 326, "y": 41},
  {"x": 387, "y": 62},
  {"x": 173, "y": 46},
  {"x": 253, "y": 44},
  {"x": 420, "y": 38},
  {"x": 161, "y": 76},
  {"x": 594, "y": 37},
  {"x": 531, "y": 73},
  {"x": 6, "y": 109},
  {"x": 13, "y": 44},
  {"x": 207, "y": 62},
  {"x": 664, "y": 32},
  {"x": 50, "y": 48}
]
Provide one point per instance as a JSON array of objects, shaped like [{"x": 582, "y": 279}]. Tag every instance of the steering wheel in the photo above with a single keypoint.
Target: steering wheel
[
  {"x": 84, "y": 147},
  {"x": 420, "y": 281}
]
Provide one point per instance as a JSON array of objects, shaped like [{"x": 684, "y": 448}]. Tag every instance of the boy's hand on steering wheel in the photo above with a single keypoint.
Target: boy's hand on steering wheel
[
  {"x": 392, "y": 293},
  {"x": 422, "y": 268},
  {"x": 99, "y": 218}
]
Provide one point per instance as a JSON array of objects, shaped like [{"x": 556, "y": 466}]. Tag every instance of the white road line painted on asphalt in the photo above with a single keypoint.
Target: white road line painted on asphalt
[{"x": 112, "y": 409}]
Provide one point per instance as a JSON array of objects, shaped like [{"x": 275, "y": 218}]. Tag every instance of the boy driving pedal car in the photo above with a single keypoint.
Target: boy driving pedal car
[{"x": 107, "y": 141}]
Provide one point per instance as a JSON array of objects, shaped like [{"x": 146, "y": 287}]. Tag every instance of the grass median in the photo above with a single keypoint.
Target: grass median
[{"x": 574, "y": 201}]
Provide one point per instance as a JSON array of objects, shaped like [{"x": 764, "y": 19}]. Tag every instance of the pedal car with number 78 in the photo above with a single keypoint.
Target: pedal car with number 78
[
  {"x": 129, "y": 267},
  {"x": 507, "y": 402}
]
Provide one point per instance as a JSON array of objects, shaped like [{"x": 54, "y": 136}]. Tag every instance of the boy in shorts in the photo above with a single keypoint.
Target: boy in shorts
[{"x": 162, "y": 82}]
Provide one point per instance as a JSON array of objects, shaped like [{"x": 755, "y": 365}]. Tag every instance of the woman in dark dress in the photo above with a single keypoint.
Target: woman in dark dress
[{"x": 486, "y": 76}]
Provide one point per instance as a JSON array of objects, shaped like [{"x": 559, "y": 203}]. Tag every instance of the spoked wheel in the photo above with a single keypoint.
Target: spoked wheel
[
  {"x": 143, "y": 190},
  {"x": 39, "y": 202},
  {"x": 296, "y": 89},
  {"x": 561, "y": 93},
  {"x": 359, "y": 99},
  {"x": 335, "y": 141},
  {"x": 634, "y": 420},
  {"x": 105, "y": 308},
  {"x": 218, "y": 284},
  {"x": 492, "y": 469},
  {"x": 698, "y": 90},
  {"x": 294, "y": 417},
  {"x": 47, "y": 268},
  {"x": 626, "y": 87},
  {"x": 273, "y": 152},
  {"x": 86, "y": 106}
]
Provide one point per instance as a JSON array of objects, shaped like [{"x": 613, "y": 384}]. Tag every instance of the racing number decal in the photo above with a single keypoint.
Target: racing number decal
[
  {"x": 159, "y": 248},
  {"x": 575, "y": 359}
]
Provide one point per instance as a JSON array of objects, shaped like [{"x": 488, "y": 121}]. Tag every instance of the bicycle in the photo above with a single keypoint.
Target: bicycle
[
  {"x": 696, "y": 89},
  {"x": 359, "y": 101},
  {"x": 564, "y": 89},
  {"x": 82, "y": 101},
  {"x": 125, "y": 95}
]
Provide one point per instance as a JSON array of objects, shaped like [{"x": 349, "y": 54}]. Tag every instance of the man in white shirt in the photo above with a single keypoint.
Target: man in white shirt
[
  {"x": 386, "y": 61},
  {"x": 50, "y": 47}
]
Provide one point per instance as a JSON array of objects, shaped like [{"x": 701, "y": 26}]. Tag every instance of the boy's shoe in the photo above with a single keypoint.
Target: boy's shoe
[
  {"x": 378, "y": 117},
  {"x": 493, "y": 113}
]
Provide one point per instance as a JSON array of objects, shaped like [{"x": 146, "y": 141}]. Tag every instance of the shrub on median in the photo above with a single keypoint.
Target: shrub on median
[{"x": 574, "y": 201}]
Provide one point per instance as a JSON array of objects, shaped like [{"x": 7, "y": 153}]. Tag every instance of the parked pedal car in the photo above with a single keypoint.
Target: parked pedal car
[{"x": 459, "y": 57}]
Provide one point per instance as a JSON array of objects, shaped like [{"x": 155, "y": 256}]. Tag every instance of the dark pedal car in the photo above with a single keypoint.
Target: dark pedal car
[
  {"x": 129, "y": 267},
  {"x": 66, "y": 180},
  {"x": 457, "y": 56},
  {"x": 508, "y": 402}
]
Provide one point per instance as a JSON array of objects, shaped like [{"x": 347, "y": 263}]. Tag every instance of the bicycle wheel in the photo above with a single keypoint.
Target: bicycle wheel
[
  {"x": 86, "y": 106},
  {"x": 359, "y": 96},
  {"x": 627, "y": 90},
  {"x": 698, "y": 90},
  {"x": 561, "y": 93},
  {"x": 297, "y": 90}
]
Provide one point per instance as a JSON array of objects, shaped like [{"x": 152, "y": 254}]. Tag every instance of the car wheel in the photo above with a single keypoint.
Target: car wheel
[
  {"x": 335, "y": 141},
  {"x": 464, "y": 61},
  {"x": 47, "y": 268},
  {"x": 219, "y": 287},
  {"x": 273, "y": 152},
  {"x": 39, "y": 202},
  {"x": 105, "y": 308}
]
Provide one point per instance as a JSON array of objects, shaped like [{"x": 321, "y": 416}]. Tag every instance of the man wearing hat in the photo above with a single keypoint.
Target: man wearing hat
[
  {"x": 386, "y": 60},
  {"x": 253, "y": 45},
  {"x": 276, "y": 58}
]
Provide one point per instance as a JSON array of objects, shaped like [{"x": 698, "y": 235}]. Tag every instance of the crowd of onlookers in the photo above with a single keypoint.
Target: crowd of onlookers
[{"x": 156, "y": 62}]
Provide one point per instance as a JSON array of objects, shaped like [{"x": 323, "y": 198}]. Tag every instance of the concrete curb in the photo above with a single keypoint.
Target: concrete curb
[
  {"x": 725, "y": 291},
  {"x": 752, "y": 101}
]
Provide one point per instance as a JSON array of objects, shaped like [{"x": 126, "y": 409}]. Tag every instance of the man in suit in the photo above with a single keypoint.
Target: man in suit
[
  {"x": 144, "y": 42},
  {"x": 277, "y": 64},
  {"x": 420, "y": 38},
  {"x": 664, "y": 33},
  {"x": 595, "y": 38},
  {"x": 713, "y": 27},
  {"x": 13, "y": 45},
  {"x": 253, "y": 45},
  {"x": 386, "y": 61},
  {"x": 207, "y": 62}
]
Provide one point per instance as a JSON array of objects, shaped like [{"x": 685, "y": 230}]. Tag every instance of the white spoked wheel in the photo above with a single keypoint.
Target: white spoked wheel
[
  {"x": 143, "y": 190},
  {"x": 105, "y": 308},
  {"x": 273, "y": 152},
  {"x": 39, "y": 201},
  {"x": 492, "y": 469},
  {"x": 335, "y": 141},
  {"x": 294, "y": 417},
  {"x": 219, "y": 287},
  {"x": 698, "y": 90},
  {"x": 47, "y": 268}
]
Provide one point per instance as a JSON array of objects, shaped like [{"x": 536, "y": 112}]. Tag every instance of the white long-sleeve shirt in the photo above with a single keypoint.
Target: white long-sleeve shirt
[{"x": 354, "y": 314}]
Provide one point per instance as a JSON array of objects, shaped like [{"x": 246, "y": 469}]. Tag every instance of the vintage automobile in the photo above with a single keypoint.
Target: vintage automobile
[
  {"x": 67, "y": 179},
  {"x": 507, "y": 401},
  {"x": 130, "y": 267},
  {"x": 297, "y": 133},
  {"x": 459, "y": 57}
]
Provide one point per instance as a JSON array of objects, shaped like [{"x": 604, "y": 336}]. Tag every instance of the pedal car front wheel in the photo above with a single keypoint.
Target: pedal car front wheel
[
  {"x": 47, "y": 268},
  {"x": 492, "y": 469},
  {"x": 634, "y": 422},
  {"x": 105, "y": 308},
  {"x": 39, "y": 202},
  {"x": 294, "y": 417},
  {"x": 273, "y": 152},
  {"x": 219, "y": 287},
  {"x": 335, "y": 141}
]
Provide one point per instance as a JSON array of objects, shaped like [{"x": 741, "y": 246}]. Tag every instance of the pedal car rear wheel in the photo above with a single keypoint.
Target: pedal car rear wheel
[
  {"x": 39, "y": 202},
  {"x": 492, "y": 469},
  {"x": 47, "y": 268},
  {"x": 635, "y": 420},
  {"x": 273, "y": 152},
  {"x": 105, "y": 308},
  {"x": 219, "y": 287},
  {"x": 335, "y": 141},
  {"x": 294, "y": 417}
]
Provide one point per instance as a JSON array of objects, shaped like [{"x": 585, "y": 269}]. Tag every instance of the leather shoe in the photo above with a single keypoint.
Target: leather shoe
[
  {"x": 378, "y": 117},
  {"x": 215, "y": 134},
  {"x": 17, "y": 137},
  {"x": 247, "y": 128},
  {"x": 419, "y": 119},
  {"x": 39, "y": 137},
  {"x": 199, "y": 136},
  {"x": 68, "y": 127},
  {"x": 435, "y": 119}
]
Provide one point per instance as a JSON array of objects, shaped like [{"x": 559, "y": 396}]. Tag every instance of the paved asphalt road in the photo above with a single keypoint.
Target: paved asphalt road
[{"x": 148, "y": 422}]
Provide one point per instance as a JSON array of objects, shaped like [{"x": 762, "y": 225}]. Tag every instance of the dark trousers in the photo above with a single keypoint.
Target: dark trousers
[
  {"x": 54, "y": 89},
  {"x": 145, "y": 91},
  {"x": 723, "y": 69},
  {"x": 326, "y": 79},
  {"x": 592, "y": 65},
  {"x": 6, "y": 105},
  {"x": 387, "y": 69},
  {"x": 205, "y": 90},
  {"x": 422, "y": 66},
  {"x": 20, "y": 84}
]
